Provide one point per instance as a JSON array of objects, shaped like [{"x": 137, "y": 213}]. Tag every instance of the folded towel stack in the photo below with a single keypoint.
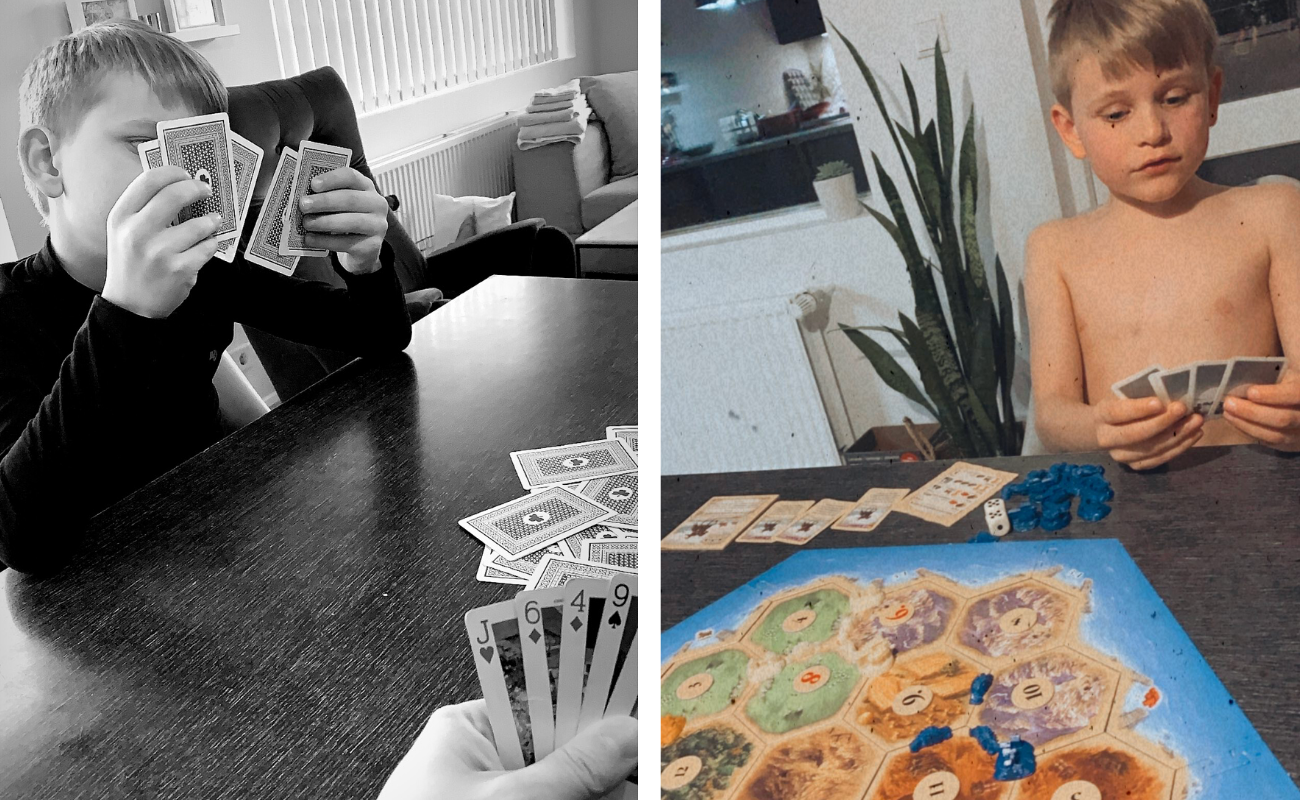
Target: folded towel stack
[{"x": 554, "y": 115}]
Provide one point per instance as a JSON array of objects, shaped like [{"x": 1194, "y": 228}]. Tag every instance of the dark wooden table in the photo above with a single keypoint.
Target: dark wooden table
[
  {"x": 277, "y": 617},
  {"x": 1218, "y": 537}
]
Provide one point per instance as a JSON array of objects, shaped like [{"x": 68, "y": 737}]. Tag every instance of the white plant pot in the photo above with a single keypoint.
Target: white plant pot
[{"x": 838, "y": 196}]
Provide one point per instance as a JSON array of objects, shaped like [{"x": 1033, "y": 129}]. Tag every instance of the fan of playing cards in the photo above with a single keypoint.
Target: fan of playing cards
[
  {"x": 553, "y": 661},
  {"x": 1202, "y": 385},
  {"x": 210, "y": 151},
  {"x": 579, "y": 519}
]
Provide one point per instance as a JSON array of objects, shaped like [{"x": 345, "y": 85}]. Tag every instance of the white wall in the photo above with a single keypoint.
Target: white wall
[
  {"x": 28, "y": 25},
  {"x": 728, "y": 59},
  {"x": 615, "y": 32}
]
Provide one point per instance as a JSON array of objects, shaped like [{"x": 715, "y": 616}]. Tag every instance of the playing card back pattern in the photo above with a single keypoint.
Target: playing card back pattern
[
  {"x": 815, "y": 679},
  {"x": 572, "y": 463},
  {"x": 519, "y": 529},
  {"x": 264, "y": 246},
  {"x": 203, "y": 151}
]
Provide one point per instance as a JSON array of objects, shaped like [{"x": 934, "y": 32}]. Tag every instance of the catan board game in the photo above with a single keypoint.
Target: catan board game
[{"x": 829, "y": 675}]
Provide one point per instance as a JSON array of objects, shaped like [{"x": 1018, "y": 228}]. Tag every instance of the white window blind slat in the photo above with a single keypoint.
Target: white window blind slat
[{"x": 389, "y": 51}]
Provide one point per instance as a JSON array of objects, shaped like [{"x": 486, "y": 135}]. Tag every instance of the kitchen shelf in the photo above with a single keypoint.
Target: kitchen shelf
[{"x": 206, "y": 32}]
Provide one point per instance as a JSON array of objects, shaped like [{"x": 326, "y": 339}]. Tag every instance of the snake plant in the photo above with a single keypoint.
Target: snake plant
[{"x": 966, "y": 357}]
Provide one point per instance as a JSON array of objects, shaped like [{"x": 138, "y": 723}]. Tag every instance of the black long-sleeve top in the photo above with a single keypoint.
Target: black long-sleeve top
[{"x": 96, "y": 401}]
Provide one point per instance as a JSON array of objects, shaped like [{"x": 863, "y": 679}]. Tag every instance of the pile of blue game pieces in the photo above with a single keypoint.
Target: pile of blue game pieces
[{"x": 1051, "y": 493}]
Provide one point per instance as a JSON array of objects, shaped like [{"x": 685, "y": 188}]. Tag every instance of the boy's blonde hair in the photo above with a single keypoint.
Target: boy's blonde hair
[
  {"x": 1166, "y": 34},
  {"x": 63, "y": 82}
]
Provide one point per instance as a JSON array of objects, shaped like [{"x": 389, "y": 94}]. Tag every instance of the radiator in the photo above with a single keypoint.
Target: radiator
[
  {"x": 738, "y": 392},
  {"x": 476, "y": 160}
]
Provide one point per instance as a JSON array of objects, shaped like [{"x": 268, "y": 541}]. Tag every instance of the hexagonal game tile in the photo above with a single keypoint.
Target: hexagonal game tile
[
  {"x": 1050, "y": 700},
  {"x": 910, "y": 616},
  {"x": 957, "y": 768},
  {"x": 803, "y": 693},
  {"x": 1015, "y": 620},
  {"x": 706, "y": 685},
  {"x": 1096, "y": 768},
  {"x": 807, "y": 615},
  {"x": 829, "y": 761},
  {"x": 706, "y": 763},
  {"x": 919, "y": 691}
]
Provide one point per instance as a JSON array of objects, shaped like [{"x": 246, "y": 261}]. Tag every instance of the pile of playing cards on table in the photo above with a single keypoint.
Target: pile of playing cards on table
[
  {"x": 553, "y": 661},
  {"x": 210, "y": 151},
  {"x": 1202, "y": 385},
  {"x": 762, "y": 519},
  {"x": 579, "y": 519}
]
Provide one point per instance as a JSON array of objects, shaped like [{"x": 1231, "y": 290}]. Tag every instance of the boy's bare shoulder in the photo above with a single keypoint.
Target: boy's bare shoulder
[
  {"x": 1270, "y": 206},
  {"x": 1054, "y": 244}
]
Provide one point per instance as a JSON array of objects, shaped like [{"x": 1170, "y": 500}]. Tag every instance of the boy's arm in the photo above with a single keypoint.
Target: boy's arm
[
  {"x": 1140, "y": 433},
  {"x": 369, "y": 316},
  {"x": 51, "y": 466},
  {"x": 1271, "y": 414}
]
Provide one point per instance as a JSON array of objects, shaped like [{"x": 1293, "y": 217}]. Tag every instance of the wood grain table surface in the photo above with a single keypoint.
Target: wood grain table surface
[
  {"x": 1217, "y": 535},
  {"x": 278, "y": 616}
]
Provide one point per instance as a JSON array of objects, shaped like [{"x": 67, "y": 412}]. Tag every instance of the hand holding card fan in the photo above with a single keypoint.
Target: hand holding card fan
[
  {"x": 1263, "y": 410},
  {"x": 1145, "y": 433}
]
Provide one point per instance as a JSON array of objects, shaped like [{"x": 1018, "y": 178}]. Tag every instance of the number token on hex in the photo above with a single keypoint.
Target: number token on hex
[
  {"x": 694, "y": 686},
  {"x": 812, "y": 678},
  {"x": 1077, "y": 790},
  {"x": 1033, "y": 693},
  {"x": 894, "y": 613},
  {"x": 937, "y": 786},
  {"x": 680, "y": 772},
  {"x": 1018, "y": 620},
  {"x": 798, "y": 620},
  {"x": 913, "y": 700}
]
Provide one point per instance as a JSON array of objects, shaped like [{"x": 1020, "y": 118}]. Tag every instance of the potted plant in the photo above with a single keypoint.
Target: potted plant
[
  {"x": 964, "y": 352},
  {"x": 837, "y": 190}
]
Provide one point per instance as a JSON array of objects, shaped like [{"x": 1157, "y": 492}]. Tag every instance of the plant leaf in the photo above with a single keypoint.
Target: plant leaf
[
  {"x": 949, "y": 416},
  {"x": 984, "y": 353},
  {"x": 927, "y": 179},
  {"x": 968, "y": 180},
  {"x": 911, "y": 102},
  {"x": 943, "y": 100},
  {"x": 888, "y": 368}
]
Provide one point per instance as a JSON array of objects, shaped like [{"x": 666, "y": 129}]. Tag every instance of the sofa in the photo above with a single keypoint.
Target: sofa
[{"x": 575, "y": 187}]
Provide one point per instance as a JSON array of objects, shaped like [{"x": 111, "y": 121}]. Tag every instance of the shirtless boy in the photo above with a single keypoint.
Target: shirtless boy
[{"x": 1172, "y": 269}]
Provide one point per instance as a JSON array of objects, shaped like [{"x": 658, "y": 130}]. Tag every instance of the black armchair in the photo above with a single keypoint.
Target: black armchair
[{"x": 316, "y": 106}]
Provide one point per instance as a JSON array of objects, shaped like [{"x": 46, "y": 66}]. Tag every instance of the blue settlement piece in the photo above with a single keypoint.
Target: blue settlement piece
[
  {"x": 1055, "y": 522},
  {"x": 1091, "y": 511},
  {"x": 1024, "y": 518},
  {"x": 978, "y": 688},
  {"x": 1016, "y": 761},
  {"x": 931, "y": 736},
  {"x": 986, "y": 738}
]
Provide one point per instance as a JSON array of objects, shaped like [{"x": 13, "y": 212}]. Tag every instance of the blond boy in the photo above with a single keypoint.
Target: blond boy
[
  {"x": 1172, "y": 269},
  {"x": 111, "y": 334}
]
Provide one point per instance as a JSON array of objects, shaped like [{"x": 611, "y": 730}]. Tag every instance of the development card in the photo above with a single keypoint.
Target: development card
[
  {"x": 618, "y": 493},
  {"x": 1247, "y": 371},
  {"x": 494, "y": 638},
  {"x": 1207, "y": 377},
  {"x": 487, "y": 573},
  {"x": 775, "y": 519},
  {"x": 246, "y": 158},
  {"x": 532, "y": 522},
  {"x": 573, "y": 544},
  {"x": 584, "y": 603},
  {"x": 1138, "y": 385},
  {"x": 870, "y": 510},
  {"x": 570, "y": 463},
  {"x": 201, "y": 146},
  {"x": 614, "y": 553},
  {"x": 611, "y": 649},
  {"x": 715, "y": 524},
  {"x": 814, "y": 521},
  {"x": 556, "y": 571},
  {"x": 1173, "y": 385},
  {"x": 314, "y": 159},
  {"x": 264, "y": 245},
  {"x": 524, "y": 566},
  {"x": 626, "y": 434},
  {"x": 540, "y": 616},
  {"x": 951, "y": 496}
]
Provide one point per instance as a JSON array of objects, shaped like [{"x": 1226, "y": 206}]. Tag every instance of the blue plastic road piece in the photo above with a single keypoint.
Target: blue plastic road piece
[
  {"x": 978, "y": 688},
  {"x": 1012, "y": 489},
  {"x": 1093, "y": 512},
  {"x": 931, "y": 736},
  {"x": 1015, "y": 761},
  {"x": 983, "y": 537},
  {"x": 986, "y": 738},
  {"x": 1055, "y": 522}
]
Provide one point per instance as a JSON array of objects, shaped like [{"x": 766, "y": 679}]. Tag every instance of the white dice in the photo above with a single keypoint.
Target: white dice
[{"x": 995, "y": 514}]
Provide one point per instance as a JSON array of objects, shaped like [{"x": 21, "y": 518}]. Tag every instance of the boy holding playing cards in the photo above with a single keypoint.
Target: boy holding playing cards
[
  {"x": 113, "y": 331},
  {"x": 1172, "y": 268}
]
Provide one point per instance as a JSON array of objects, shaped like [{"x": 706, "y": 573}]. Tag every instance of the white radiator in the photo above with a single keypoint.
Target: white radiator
[
  {"x": 476, "y": 160},
  {"x": 738, "y": 392}
]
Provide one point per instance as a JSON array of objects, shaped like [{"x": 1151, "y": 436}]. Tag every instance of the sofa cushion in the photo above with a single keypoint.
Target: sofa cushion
[
  {"x": 608, "y": 200},
  {"x": 612, "y": 99}
]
